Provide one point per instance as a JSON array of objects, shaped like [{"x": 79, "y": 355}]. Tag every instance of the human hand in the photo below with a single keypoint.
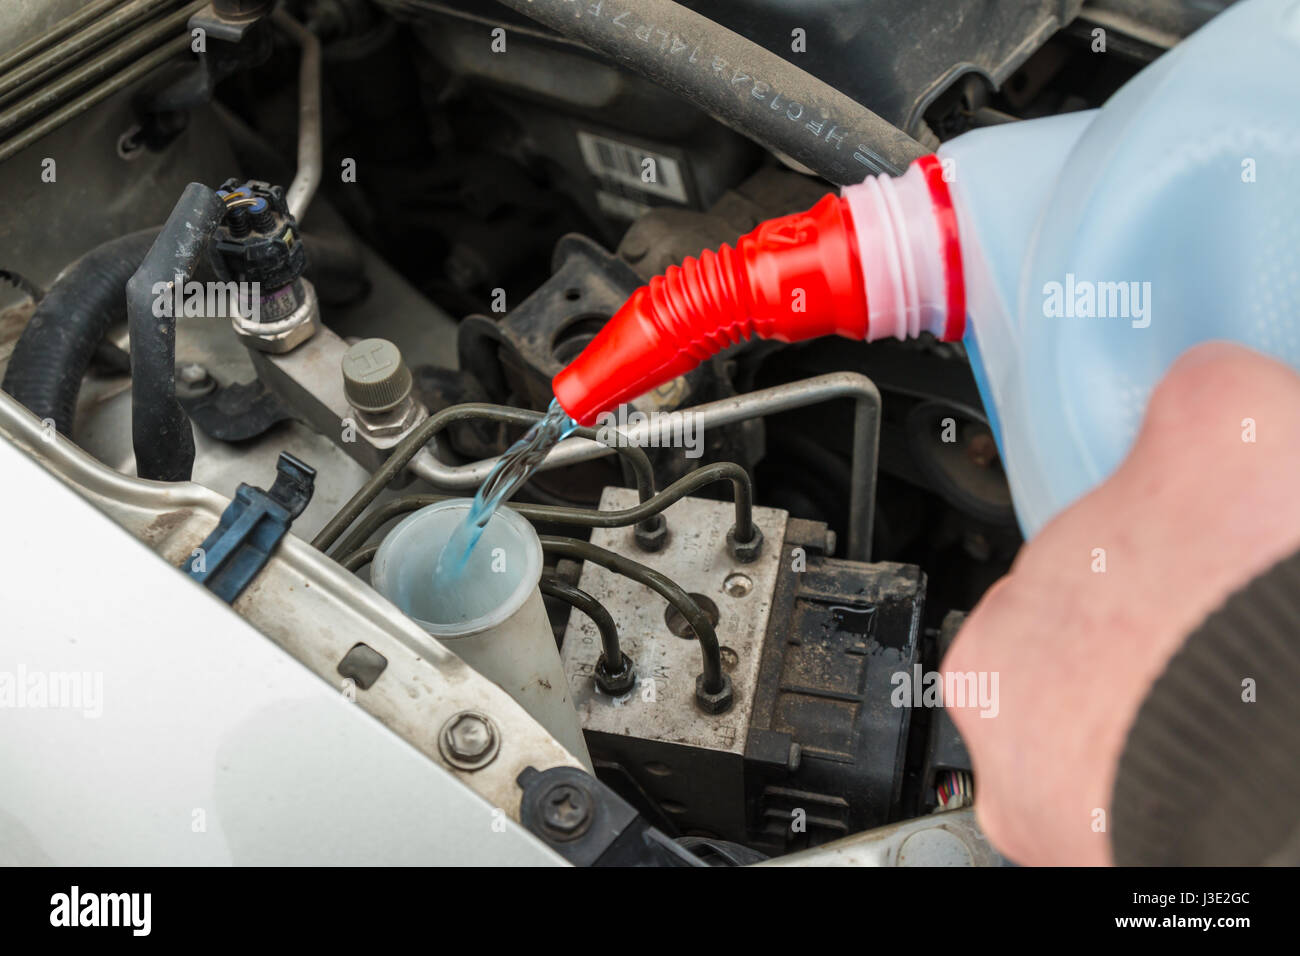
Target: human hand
[{"x": 1096, "y": 605}]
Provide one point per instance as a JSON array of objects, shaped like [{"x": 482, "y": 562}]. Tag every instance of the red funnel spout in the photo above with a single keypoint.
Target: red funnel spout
[{"x": 880, "y": 259}]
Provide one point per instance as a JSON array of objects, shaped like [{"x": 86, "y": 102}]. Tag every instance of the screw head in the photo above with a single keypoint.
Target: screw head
[
  {"x": 191, "y": 373},
  {"x": 469, "y": 740},
  {"x": 738, "y": 585},
  {"x": 566, "y": 811},
  {"x": 193, "y": 380}
]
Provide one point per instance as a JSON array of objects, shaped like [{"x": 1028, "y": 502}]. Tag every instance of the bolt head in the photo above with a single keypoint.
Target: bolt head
[
  {"x": 193, "y": 380},
  {"x": 468, "y": 740},
  {"x": 745, "y": 551},
  {"x": 470, "y": 737},
  {"x": 566, "y": 811},
  {"x": 714, "y": 702},
  {"x": 737, "y": 585},
  {"x": 615, "y": 683},
  {"x": 191, "y": 373},
  {"x": 652, "y": 534}
]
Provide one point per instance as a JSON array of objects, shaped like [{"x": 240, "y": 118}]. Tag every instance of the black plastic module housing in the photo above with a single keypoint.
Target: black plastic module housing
[{"x": 826, "y": 738}]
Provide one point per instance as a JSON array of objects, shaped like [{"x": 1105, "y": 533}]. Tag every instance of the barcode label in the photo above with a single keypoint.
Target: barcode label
[{"x": 641, "y": 169}]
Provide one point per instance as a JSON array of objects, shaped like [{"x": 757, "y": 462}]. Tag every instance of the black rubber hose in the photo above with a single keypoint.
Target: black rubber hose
[
  {"x": 663, "y": 585},
  {"x": 160, "y": 429},
  {"x": 66, "y": 332},
  {"x": 55, "y": 349},
  {"x": 737, "y": 82},
  {"x": 588, "y": 605}
]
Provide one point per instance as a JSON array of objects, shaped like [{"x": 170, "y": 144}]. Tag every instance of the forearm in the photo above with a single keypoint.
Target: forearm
[{"x": 1210, "y": 772}]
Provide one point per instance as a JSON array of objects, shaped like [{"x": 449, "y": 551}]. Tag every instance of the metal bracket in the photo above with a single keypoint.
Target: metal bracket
[
  {"x": 588, "y": 824},
  {"x": 235, "y": 412},
  {"x": 250, "y": 528}
]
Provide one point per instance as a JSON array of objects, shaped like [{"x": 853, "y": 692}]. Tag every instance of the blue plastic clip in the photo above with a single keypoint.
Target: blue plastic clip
[{"x": 250, "y": 528}]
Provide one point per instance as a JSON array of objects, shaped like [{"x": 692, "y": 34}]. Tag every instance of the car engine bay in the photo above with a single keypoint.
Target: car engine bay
[{"x": 436, "y": 205}]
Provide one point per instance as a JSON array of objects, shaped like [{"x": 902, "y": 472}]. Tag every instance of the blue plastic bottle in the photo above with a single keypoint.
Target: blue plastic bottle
[{"x": 1099, "y": 246}]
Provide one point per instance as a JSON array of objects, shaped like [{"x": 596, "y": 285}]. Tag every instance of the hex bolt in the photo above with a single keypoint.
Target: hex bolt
[
  {"x": 714, "y": 702},
  {"x": 192, "y": 373},
  {"x": 615, "y": 683},
  {"x": 652, "y": 534},
  {"x": 738, "y": 585},
  {"x": 745, "y": 551},
  {"x": 193, "y": 380},
  {"x": 566, "y": 811},
  {"x": 468, "y": 740}
]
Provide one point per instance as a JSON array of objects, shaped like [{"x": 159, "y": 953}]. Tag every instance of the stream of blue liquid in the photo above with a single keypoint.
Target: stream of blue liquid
[{"x": 512, "y": 469}]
